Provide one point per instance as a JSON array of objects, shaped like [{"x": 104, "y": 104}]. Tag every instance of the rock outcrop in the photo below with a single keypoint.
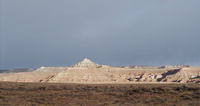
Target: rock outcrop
[
  {"x": 87, "y": 71},
  {"x": 87, "y": 63}
]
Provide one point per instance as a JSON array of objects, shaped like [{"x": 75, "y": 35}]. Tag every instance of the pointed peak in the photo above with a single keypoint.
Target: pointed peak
[
  {"x": 86, "y": 60},
  {"x": 86, "y": 63}
]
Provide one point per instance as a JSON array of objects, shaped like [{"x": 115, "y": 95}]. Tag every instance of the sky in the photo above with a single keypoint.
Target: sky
[{"x": 36, "y": 33}]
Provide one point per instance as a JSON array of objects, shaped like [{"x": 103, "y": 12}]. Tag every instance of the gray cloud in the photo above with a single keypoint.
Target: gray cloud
[{"x": 115, "y": 32}]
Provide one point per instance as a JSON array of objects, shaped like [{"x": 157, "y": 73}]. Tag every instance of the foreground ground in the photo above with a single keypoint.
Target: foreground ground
[{"x": 45, "y": 94}]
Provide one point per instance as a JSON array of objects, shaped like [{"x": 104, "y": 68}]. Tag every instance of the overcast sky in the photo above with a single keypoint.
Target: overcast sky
[{"x": 36, "y": 33}]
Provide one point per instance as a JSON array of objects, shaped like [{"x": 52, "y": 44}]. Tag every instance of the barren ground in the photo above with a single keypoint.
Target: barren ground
[{"x": 43, "y": 94}]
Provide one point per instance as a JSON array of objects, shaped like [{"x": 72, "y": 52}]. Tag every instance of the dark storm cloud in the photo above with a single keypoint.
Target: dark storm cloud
[{"x": 114, "y": 32}]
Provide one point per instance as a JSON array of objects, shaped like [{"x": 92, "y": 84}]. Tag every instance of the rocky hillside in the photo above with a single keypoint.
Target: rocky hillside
[{"x": 87, "y": 71}]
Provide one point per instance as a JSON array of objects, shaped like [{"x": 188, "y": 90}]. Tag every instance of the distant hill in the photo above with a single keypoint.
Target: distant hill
[
  {"x": 1, "y": 71},
  {"x": 16, "y": 70}
]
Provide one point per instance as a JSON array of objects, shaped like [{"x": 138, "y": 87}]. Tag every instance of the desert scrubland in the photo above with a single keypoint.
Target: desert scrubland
[{"x": 62, "y": 94}]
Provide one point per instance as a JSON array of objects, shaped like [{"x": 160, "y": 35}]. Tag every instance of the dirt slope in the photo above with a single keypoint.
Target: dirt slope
[{"x": 87, "y": 71}]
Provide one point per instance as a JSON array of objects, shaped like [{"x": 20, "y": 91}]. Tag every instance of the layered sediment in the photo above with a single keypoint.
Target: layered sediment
[{"x": 87, "y": 71}]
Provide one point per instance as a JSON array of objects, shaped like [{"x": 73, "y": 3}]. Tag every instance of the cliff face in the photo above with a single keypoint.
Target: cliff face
[
  {"x": 182, "y": 75},
  {"x": 90, "y": 72}
]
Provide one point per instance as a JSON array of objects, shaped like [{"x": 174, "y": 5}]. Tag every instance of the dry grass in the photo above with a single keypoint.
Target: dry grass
[{"x": 43, "y": 94}]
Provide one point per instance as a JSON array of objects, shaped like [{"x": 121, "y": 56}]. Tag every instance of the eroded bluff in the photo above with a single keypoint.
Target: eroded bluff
[{"x": 87, "y": 71}]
